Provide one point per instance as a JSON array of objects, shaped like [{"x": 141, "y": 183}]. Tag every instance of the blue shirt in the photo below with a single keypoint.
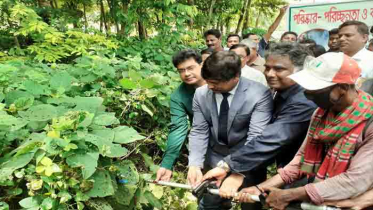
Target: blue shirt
[{"x": 282, "y": 137}]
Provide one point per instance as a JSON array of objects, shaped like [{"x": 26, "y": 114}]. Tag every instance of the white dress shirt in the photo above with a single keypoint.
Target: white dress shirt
[
  {"x": 364, "y": 59},
  {"x": 219, "y": 97},
  {"x": 253, "y": 74}
]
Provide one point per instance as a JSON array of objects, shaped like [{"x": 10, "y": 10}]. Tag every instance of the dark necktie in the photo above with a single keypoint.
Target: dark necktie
[{"x": 223, "y": 119}]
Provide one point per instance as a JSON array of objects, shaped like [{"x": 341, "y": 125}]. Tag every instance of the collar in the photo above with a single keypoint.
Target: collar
[
  {"x": 292, "y": 90},
  {"x": 361, "y": 54},
  {"x": 259, "y": 61},
  {"x": 233, "y": 91}
]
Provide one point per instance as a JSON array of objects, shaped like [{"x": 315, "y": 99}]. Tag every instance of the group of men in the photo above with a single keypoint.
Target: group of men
[{"x": 303, "y": 113}]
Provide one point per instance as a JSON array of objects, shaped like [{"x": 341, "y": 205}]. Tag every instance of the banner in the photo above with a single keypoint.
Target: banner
[{"x": 329, "y": 16}]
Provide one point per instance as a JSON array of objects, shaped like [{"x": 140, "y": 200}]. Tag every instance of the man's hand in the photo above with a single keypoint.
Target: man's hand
[
  {"x": 194, "y": 176},
  {"x": 361, "y": 202},
  {"x": 244, "y": 194},
  {"x": 217, "y": 173},
  {"x": 230, "y": 186},
  {"x": 277, "y": 198},
  {"x": 283, "y": 9},
  {"x": 163, "y": 174}
]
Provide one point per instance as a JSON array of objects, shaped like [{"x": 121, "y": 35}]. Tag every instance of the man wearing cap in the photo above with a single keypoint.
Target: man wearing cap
[{"x": 335, "y": 157}]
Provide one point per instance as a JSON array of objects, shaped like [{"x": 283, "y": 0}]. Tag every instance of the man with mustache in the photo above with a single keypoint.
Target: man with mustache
[
  {"x": 282, "y": 137},
  {"x": 213, "y": 40},
  {"x": 353, "y": 36},
  {"x": 336, "y": 155}
]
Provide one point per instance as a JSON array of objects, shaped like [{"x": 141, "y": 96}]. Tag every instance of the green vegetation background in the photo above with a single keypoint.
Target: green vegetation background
[{"x": 84, "y": 92}]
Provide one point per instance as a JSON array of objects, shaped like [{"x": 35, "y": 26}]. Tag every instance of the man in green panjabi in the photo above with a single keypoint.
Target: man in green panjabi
[{"x": 188, "y": 63}]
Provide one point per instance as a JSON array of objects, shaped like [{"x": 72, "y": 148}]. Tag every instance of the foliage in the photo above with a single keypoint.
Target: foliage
[{"x": 68, "y": 132}]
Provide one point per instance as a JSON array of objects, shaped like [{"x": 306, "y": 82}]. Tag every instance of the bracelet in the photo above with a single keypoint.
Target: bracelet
[{"x": 258, "y": 188}]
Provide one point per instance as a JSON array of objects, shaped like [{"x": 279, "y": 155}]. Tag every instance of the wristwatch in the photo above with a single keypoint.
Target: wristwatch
[{"x": 223, "y": 165}]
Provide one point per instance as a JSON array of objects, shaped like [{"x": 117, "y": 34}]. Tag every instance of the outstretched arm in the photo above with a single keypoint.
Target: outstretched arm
[{"x": 275, "y": 24}]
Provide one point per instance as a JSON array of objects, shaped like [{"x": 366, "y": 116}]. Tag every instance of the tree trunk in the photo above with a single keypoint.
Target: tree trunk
[
  {"x": 228, "y": 25},
  {"x": 243, "y": 13},
  {"x": 112, "y": 9},
  {"x": 247, "y": 17},
  {"x": 85, "y": 18},
  {"x": 51, "y": 2},
  {"x": 257, "y": 19},
  {"x": 210, "y": 12},
  {"x": 141, "y": 30},
  {"x": 191, "y": 21},
  {"x": 125, "y": 11},
  {"x": 103, "y": 16}
]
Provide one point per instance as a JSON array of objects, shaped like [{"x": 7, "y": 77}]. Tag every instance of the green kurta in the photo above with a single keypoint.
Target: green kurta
[{"x": 180, "y": 108}]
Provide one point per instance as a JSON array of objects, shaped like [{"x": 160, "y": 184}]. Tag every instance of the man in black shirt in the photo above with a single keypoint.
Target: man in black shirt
[{"x": 281, "y": 139}]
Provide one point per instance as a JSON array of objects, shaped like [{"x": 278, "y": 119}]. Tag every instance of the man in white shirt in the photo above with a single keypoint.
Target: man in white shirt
[
  {"x": 243, "y": 52},
  {"x": 353, "y": 36}
]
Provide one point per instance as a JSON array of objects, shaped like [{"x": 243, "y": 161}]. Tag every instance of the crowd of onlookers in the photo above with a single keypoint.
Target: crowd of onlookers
[{"x": 254, "y": 103}]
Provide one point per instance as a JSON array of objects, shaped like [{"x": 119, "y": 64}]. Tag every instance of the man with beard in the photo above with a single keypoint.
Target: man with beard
[
  {"x": 336, "y": 155},
  {"x": 284, "y": 134},
  {"x": 353, "y": 36},
  {"x": 333, "y": 42},
  {"x": 188, "y": 63},
  {"x": 213, "y": 40}
]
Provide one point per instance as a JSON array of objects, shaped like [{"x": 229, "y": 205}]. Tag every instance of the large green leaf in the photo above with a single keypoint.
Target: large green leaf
[
  {"x": 152, "y": 200},
  {"x": 90, "y": 104},
  {"x": 127, "y": 84},
  {"x": 127, "y": 171},
  {"x": 113, "y": 150},
  {"x": 8, "y": 167},
  {"x": 40, "y": 113},
  {"x": 88, "y": 162},
  {"x": 34, "y": 88},
  {"x": 24, "y": 103},
  {"x": 106, "y": 119},
  {"x": 12, "y": 96},
  {"x": 103, "y": 184},
  {"x": 61, "y": 80},
  {"x": 29, "y": 202},
  {"x": 10, "y": 123},
  {"x": 125, "y": 135}
]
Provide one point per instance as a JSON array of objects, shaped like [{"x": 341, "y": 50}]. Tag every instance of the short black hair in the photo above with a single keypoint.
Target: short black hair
[
  {"x": 317, "y": 50},
  {"x": 289, "y": 32},
  {"x": 207, "y": 51},
  {"x": 184, "y": 55},
  {"x": 221, "y": 66},
  {"x": 307, "y": 41},
  {"x": 233, "y": 35},
  {"x": 333, "y": 31},
  {"x": 362, "y": 28},
  {"x": 214, "y": 32},
  {"x": 296, "y": 52},
  {"x": 245, "y": 47},
  {"x": 245, "y": 36}
]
